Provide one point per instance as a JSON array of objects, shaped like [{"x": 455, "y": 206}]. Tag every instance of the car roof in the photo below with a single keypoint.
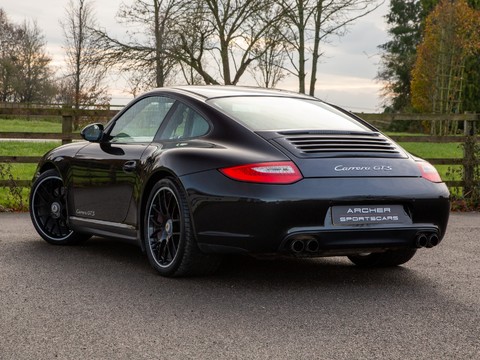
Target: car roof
[{"x": 215, "y": 91}]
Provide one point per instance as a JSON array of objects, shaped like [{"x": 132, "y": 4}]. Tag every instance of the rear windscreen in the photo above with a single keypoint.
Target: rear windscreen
[{"x": 281, "y": 113}]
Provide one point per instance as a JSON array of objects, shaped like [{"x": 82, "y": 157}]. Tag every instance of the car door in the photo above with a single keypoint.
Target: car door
[{"x": 106, "y": 174}]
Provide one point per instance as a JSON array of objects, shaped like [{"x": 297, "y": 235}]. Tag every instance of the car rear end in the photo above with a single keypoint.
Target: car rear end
[{"x": 339, "y": 187}]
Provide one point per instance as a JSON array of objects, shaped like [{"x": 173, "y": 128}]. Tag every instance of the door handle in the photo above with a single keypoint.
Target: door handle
[{"x": 130, "y": 166}]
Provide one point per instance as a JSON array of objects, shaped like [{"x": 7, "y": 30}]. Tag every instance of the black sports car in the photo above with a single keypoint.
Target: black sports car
[{"x": 192, "y": 173}]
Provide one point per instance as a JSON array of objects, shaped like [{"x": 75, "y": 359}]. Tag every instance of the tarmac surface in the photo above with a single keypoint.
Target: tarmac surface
[{"x": 102, "y": 300}]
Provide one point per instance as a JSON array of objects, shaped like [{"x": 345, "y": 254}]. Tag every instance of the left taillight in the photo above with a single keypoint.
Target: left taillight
[
  {"x": 429, "y": 172},
  {"x": 283, "y": 172}
]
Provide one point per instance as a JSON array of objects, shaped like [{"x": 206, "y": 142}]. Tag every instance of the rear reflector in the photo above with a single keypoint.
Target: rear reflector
[
  {"x": 284, "y": 172},
  {"x": 429, "y": 172}
]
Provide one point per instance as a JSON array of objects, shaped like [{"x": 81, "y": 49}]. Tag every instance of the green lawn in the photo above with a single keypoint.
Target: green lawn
[
  {"x": 26, "y": 148},
  {"x": 434, "y": 150},
  {"x": 19, "y": 125}
]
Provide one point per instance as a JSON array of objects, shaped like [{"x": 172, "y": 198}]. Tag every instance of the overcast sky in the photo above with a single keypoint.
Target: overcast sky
[{"x": 346, "y": 72}]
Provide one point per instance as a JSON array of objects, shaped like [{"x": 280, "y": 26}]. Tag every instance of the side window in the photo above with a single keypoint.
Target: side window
[
  {"x": 185, "y": 123},
  {"x": 141, "y": 121}
]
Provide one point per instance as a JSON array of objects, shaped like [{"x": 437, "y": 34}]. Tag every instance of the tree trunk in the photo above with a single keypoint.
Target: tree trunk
[
  {"x": 301, "y": 48},
  {"x": 316, "y": 46},
  {"x": 158, "y": 47}
]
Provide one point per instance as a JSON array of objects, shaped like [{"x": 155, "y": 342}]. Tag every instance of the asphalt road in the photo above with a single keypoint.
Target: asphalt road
[{"x": 102, "y": 300}]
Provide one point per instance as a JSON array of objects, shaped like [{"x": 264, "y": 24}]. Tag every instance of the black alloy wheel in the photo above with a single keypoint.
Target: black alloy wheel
[
  {"x": 168, "y": 234},
  {"x": 48, "y": 210},
  {"x": 164, "y": 227}
]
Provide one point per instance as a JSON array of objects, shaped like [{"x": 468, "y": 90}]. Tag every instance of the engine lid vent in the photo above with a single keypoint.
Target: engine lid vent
[{"x": 339, "y": 144}]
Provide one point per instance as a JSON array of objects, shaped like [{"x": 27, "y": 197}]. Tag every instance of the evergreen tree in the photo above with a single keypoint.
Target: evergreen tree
[
  {"x": 471, "y": 89},
  {"x": 471, "y": 100},
  {"x": 451, "y": 38},
  {"x": 404, "y": 20}
]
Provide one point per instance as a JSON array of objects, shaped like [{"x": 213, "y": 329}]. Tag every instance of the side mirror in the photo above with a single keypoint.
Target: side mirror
[{"x": 92, "y": 133}]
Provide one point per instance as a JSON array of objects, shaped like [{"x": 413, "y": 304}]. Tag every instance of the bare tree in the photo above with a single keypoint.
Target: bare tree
[
  {"x": 209, "y": 41},
  {"x": 25, "y": 73},
  {"x": 312, "y": 22},
  {"x": 34, "y": 76},
  {"x": 270, "y": 65},
  {"x": 9, "y": 38},
  {"x": 147, "y": 47},
  {"x": 228, "y": 33},
  {"x": 195, "y": 42},
  {"x": 84, "y": 82}
]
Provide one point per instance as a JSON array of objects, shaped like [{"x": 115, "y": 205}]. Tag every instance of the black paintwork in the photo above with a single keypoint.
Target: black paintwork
[{"x": 108, "y": 184}]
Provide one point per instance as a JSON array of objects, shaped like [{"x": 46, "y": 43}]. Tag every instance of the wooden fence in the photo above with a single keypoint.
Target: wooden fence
[
  {"x": 67, "y": 115},
  {"x": 468, "y": 139}
]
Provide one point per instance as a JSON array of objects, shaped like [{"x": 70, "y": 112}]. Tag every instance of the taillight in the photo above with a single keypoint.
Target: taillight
[
  {"x": 284, "y": 172},
  {"x": 429, "y": 172}
]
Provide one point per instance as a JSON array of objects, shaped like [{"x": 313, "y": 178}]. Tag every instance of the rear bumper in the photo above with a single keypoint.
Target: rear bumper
[
  {"x": 230, "y": 216},
  {"x": 330, "y": 240}
]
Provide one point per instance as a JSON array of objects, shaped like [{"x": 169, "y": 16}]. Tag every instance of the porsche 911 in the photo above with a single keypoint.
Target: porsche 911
[{"x": 192, "y": 173}]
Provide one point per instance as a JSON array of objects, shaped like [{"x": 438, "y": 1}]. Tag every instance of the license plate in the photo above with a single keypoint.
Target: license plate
[{"x": 369, "y": 215}]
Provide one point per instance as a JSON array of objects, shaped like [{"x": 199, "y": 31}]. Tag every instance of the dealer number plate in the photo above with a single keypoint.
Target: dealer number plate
[{"x": 370, "y": 214}]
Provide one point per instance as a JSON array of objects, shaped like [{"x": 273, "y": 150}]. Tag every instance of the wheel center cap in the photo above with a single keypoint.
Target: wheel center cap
[
  {"x": 55, "y": 209},
  {"x": 169, "y": 227}
]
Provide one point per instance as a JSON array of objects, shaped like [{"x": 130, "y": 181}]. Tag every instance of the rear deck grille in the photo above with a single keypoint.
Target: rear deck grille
[{"x": 339, "y": 145}]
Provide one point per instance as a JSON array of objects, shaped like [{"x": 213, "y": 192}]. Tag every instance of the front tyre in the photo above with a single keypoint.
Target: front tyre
[
  {"x": 384, "y": 259},
  {"x": 48, "y": 210},
  {"x": 168, "y": 235}
]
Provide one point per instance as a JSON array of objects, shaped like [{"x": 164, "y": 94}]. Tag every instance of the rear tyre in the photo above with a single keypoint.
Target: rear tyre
[
  {"x": 48, "y": 210},
  {"x": 385, "y": 259},
  {"x": 168, "y": 234}
]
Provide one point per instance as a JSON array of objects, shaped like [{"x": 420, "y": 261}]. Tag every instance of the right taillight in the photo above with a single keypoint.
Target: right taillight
[{"x": 429, "y": 172}]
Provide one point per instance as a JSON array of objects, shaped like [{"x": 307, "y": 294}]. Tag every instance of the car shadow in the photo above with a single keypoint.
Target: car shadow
[
  {"x": 109, "y": 268},
  {"x": 307, "y": 271},
  {"x": 235, "y": 270},
  {"x": 238, "y": 269}
]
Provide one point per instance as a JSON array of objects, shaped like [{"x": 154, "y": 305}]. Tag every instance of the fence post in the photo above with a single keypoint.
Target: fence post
[
  {"x": 469, "y": 159},
  {"x": 67, "y": 129}
]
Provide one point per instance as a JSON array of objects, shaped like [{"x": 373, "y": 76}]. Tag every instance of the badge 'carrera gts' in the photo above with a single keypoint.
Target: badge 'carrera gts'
[
  {"x": 363, "y": 168},
  {"x": 190, "y": 173}
]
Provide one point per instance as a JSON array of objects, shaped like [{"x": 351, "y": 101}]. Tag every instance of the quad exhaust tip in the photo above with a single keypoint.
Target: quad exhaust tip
[{"x": 311, "y": 244}]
